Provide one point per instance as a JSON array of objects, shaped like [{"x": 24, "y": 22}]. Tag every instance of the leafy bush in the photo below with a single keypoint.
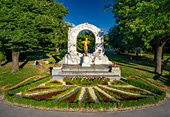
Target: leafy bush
[
  {"x": 143, "y": 101},
  {"x": 144, "y": 85},
  {"x": 2, "y": 57}
]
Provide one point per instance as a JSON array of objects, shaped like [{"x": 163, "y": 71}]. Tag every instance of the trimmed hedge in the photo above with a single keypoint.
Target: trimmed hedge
[
  {"x": 86, "y": 96},
  {"x": 144, "y": 101},
  {"x": 51, "y": 83},
  {"x": 119, "y": 82},
  {"x": 56, "y": 96},
  {"x": 41, "y": 90},
  {"x": 63, "y": 104},
  {"x": 77, "y": 97},
  {"x": 144, "y": 85},
  {"x": 29, "y": 85},
  {"x": 143, "y": 92}
]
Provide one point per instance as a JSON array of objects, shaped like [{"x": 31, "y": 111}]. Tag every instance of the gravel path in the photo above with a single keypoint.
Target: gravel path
[
  {"x": 117, "y": 100},
  {"x": 6, "y": 110},
  {"x": 82, "y": 94},
  {"x": 66, "y": 94},
  {"x": 127, "y": 92},
  {"x": 92, "y": 93}
]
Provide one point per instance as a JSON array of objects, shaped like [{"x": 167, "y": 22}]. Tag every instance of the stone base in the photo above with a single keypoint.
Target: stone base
[
  {"x": 86, "y": 61},
  {"x": 93, "y": 70}
]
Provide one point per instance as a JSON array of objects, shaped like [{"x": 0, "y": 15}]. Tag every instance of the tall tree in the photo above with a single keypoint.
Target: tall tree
[
  {"x": 28, "y": 25},
  {"x": 145, "y": 20},
  {"x": 1, "y": 53}
]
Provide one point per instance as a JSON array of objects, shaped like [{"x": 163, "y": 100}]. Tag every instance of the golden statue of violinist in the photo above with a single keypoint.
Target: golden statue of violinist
[{"x": 86, "y": 42}]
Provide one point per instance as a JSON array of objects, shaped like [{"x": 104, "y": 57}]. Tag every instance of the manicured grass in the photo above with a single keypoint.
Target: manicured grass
[
  {"x": 143, "y": 66},
  {"x": 27, "y": 70}
]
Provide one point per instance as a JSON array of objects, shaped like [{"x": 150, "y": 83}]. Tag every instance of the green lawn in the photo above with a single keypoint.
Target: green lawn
[
  {"x": 141, "y": 66},
  {"x": 27, "y": 70}
]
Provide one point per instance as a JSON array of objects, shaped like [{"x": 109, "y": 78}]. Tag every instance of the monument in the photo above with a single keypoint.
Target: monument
[
  {"x": 85, "y": 64},
  {"x": 86, "y": 59}
]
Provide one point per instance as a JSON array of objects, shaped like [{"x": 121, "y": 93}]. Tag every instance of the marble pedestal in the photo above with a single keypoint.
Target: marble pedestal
[{"x": 86, "y": 61}]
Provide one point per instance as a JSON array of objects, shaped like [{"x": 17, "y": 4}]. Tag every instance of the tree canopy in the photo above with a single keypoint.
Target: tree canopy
[
  {"x": 29, "y": 25},
  {"x": 81, "y": 37},
  {"x": 146, "y": 21}
]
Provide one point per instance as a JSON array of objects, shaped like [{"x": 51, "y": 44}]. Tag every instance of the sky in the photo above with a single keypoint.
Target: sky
[{"x": 89, "y": 11}]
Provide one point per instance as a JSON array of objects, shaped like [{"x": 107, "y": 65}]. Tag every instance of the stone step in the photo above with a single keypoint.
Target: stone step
[
  {"x": 80, "y": 68},
  {"x": 85, "y": 69},
  {"x": 85, "y": 73},
  {"x": 63, "y": 76}
]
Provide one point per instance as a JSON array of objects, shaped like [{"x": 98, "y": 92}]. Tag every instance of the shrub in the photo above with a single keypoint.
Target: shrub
[{"x": 29, "y": 85}]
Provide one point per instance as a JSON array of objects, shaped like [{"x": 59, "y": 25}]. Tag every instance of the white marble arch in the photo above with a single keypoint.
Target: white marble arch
[
  {"x": 73, "y": 33},
  {"x": 74, "y": 57}
]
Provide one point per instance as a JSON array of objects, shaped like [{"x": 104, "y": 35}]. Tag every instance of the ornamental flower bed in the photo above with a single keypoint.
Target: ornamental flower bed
[
  {"x": 115, "y": 65},
  {"x": 55, "y": 82},
  {"x": 86, "y": 81},
  {"x": 133, "y": 90},
  {"x": 41, "y": 89},
  {"x": 119, "y": 82},
  {"x": 98, "y": 97},
  {"x": 56, "y": 65}
]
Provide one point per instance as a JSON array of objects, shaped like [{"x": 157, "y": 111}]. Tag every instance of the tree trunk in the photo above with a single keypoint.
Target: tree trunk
[
  {"x": 15, "y": 61},
  {"x": 155, "y": 55},
  {"x": 158, "y": 62}
]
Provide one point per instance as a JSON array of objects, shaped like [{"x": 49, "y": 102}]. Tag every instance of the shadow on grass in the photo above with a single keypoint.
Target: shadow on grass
[
  {"x": 140, "y": 60},
  {"x": 23, "y": 64},
  {"x": 165, "y": 65},
  {"x": 58, "y": 57},
  {"x": 6, "y": 62},
  {"x": 164, "y": 79}
]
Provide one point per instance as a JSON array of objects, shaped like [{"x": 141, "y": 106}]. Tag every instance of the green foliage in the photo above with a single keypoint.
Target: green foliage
[
  {"x": 144, "y": 22},
  {"x": 144, "y": 85},
  {"x": 2, "y": 57},
  {"x": 38, "y": 89},
  {"x": 108, "y": 91},
  {"x": 76, "y": 100},
  {"x": 24, "y": 87},
  {"x": 56, "y": 96},
  {"x": 117, "y": 39},
  {"x": 133, "y": 90},
  {"x": 99, "y": 96},
  {"x": 144, "y": 101},
  {"x": 81, "y": 37},
  {"x": 86, "y": 81},
  {"x": 119, "y": 82},
  {"x": 54, "y": 82},
  {"x": 29, "y": 25},
  {"x": 88, "y": 95}
]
